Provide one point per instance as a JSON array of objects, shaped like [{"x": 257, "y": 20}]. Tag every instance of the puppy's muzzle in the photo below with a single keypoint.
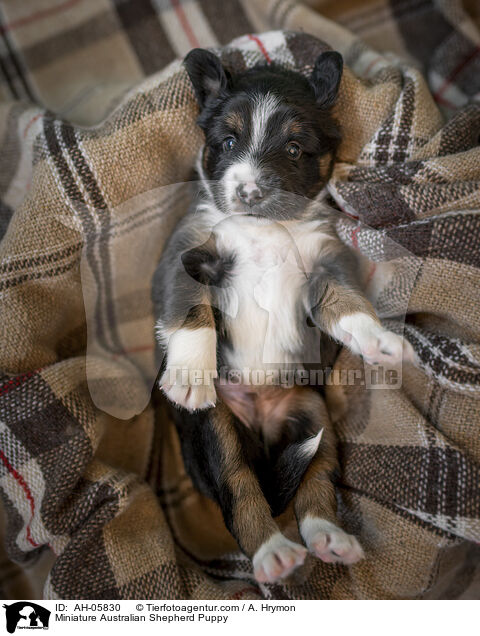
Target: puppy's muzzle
[{"x": 250, "y": 193}]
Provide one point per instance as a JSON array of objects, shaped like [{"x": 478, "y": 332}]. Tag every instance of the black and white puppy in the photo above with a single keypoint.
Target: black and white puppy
[{"x": 250, "y": 278}]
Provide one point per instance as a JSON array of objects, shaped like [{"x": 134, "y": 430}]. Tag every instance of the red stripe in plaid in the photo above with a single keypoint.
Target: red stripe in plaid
[
  {"x": 30, "y": 123},
  {"x": 444, "y": 102},
  {"x": 43, "y": 13},
  {"x": 458, "y": 69},
  {"x": 370, "y": 274},
  {"x": 14, "y": 382},
  {"x": 355, "y": 237},
  {"x": 350, "y": 216},
  {"x": 260, "y": 45},
  {"x": 28, "y": 493},
  {"x": 182, "y": 18}
]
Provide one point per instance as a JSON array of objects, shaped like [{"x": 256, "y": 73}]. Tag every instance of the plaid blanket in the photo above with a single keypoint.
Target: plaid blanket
[{"x": 90, "y": 469}]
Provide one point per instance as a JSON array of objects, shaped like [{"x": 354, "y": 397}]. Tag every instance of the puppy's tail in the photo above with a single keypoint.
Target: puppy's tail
[{"x": 289, "y": 470}]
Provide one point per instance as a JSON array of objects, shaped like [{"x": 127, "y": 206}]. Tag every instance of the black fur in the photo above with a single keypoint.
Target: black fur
[
  {"x": 326, "y": 77},
  {"x": 204, "y": 265},
  {"x": 207, "y": 74}
]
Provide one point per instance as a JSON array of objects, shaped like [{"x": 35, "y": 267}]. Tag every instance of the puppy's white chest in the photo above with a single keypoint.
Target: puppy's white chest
[
  {"x": 251, "y": 244},
  {"x": 261, "y": 306}
]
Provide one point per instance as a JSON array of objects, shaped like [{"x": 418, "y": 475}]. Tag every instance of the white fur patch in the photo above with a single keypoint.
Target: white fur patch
[
  {"x": 356, "y": 330},
  {"x": 191, "y": 368},
  {"x": 366, "y": 337},
  {"x": 193, "y": 348},
  {"x": 264, "y": 107},
  {"x": 162, "y": 333},
  {"x": 310, "y": 446},
  {"x": 309, "y": 526}
]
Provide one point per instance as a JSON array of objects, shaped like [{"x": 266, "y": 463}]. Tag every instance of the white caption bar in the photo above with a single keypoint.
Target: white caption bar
[{"x": 201, "y": 617}]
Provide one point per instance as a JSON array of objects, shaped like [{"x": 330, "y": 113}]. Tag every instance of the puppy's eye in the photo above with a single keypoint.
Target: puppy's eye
[
  {"x": 293, "y": 150},
  {"x": 229, "y": 143}
]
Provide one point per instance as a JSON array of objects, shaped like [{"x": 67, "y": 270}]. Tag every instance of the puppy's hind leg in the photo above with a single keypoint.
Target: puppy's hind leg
[
  {"x": 315, "y": 503},
  {"x": 221, "y": 454}
]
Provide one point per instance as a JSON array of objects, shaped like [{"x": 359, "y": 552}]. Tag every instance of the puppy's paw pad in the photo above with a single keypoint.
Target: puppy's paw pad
[
  {"x": 336, "y": 547},
  {"x": 277, "y": 558},
  {"x": 192, "y": 398},
  {"x": 332, "y": 544}
]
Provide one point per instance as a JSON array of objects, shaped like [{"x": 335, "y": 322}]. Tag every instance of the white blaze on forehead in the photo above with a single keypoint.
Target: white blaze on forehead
[
  {"x": 264, "y": 107},
  {"x": 242, "y": 172},
  {"x": 245, "y": 170}
]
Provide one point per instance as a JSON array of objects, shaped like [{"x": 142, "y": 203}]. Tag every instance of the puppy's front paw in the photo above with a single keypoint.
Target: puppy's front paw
[
  {"x": 330, "y": 543},
  {"x": 379, "y": 346},
  {"x": 191, "y": 397},
  {"x": 388, "y": 348},
  {"x": 277, "y": 558},
  {"x": 191, "y": 369},
  {"x": 366, "y": 337}
]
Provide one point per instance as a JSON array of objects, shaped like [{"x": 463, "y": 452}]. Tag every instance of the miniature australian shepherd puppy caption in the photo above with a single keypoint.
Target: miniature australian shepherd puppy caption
[{"x": 254, "y": 278}]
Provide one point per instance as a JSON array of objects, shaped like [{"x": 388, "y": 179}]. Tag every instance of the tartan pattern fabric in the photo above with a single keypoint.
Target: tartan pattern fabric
[{"x": 90, "y": 467}]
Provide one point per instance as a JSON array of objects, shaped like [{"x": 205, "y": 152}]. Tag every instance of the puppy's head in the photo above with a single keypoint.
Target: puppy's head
[{"x": 270, "y": 136}]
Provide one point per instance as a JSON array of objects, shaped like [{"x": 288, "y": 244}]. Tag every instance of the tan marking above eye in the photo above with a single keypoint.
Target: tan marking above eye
[
  {"x": 325, "y": 165},
  {"x": 235, "y": 121},
  {"x": 292, "y": 127}
]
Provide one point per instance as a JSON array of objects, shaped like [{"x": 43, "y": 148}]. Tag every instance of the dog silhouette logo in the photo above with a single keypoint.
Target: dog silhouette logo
[{"x": 26, "y": 615}]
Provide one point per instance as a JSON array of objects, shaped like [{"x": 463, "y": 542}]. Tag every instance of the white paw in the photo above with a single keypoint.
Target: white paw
[
  {"x": 384, "y": 347},
  {"x": 366, "y": 337},
  {"x": 277, "y": 558},
  {"x": 330, "y": 543},
  {"x": 192, "y": 397},
  {"x": 191, "y": 368}
]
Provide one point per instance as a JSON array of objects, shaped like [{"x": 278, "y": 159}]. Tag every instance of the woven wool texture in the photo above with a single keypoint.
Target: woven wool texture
[{"x": 97, "y": 137}]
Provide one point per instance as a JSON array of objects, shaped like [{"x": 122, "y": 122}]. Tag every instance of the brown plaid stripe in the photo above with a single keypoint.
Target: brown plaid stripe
[{"x": 89, "y": 468}]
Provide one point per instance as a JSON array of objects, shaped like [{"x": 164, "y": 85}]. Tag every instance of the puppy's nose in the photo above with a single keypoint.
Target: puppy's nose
[{"x": 249, "y": 193}]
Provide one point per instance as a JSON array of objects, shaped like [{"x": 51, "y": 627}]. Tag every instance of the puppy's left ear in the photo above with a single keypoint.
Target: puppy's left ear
[
  {"x": 206, "y": 74},
  {"x": 326, "y": 77}
]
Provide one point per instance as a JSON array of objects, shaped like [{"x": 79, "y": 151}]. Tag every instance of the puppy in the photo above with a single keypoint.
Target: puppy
[{"x": 254, "y": 279}]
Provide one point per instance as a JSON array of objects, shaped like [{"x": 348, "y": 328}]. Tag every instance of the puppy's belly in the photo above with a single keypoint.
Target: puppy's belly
[{"x": 266, "y": 410}]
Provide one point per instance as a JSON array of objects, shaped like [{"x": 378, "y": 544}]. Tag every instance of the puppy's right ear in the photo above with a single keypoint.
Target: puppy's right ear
[
  {"x": 326, "y": 77},
  {"x": 206, "y": 73}
]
